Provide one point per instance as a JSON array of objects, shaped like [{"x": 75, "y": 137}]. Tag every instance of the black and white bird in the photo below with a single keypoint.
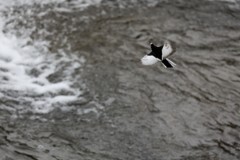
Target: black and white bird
[{"x": 160, "y": 54}]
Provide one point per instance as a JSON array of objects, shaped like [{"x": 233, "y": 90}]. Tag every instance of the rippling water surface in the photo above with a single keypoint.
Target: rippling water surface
[{"x": 72, "y": 85}]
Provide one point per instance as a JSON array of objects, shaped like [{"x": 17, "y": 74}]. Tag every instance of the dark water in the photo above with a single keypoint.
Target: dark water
[{"x": 101, "y": 103}]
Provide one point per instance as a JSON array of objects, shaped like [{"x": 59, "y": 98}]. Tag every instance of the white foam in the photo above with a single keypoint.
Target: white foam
[
  {"x": 18, "y": 59},
  {"x": 27, "y": 2},
  {"x": 66, "y": 6},
  {"x": 26, "y": 64},
  {"x": 86, "y": 111}
]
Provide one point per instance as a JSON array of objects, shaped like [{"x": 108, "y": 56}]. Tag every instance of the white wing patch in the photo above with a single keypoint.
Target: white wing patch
[
  {"x": 149, "y": 60},
  {"x": 166, "y": 52}
]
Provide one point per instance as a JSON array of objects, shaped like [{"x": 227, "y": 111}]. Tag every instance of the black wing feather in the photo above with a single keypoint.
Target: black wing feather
[{"x": 167, "y": 64}]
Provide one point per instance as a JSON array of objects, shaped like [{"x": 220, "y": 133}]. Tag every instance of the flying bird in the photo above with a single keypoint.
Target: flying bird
[{"x": 160, "y": 54}]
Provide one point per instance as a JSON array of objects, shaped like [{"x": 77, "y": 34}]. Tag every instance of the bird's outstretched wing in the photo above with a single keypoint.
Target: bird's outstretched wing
[{"x": 149, "y": 60}]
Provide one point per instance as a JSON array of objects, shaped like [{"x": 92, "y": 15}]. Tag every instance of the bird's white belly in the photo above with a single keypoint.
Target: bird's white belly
[
  {"x": 149, "y": 60},
  {"x": 166, "y": 52}
]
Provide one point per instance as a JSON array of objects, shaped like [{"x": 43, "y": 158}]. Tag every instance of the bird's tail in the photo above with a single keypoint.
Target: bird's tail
[{"x": 168, "y": 63}]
